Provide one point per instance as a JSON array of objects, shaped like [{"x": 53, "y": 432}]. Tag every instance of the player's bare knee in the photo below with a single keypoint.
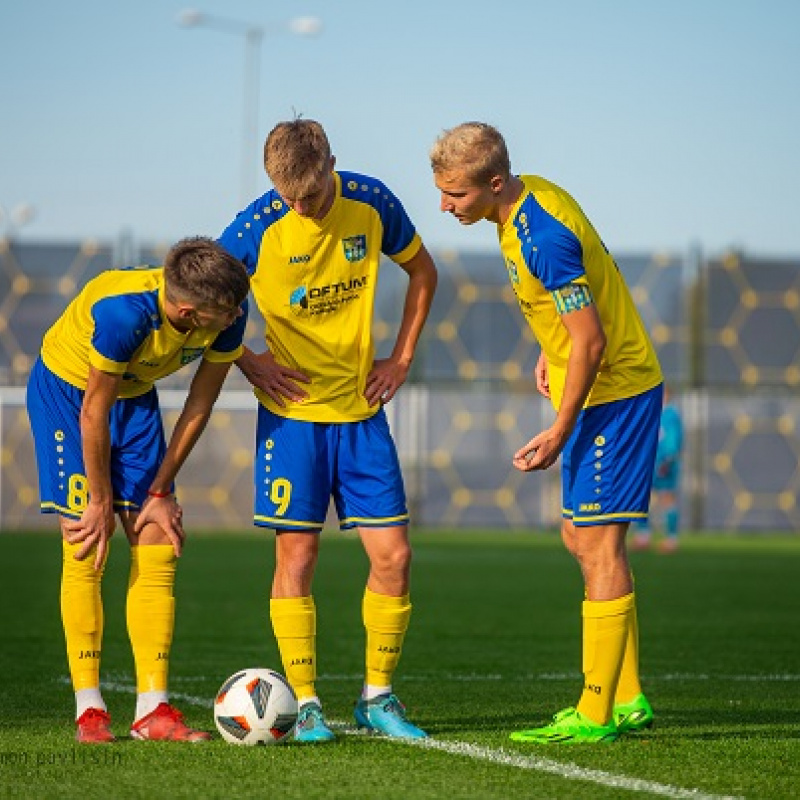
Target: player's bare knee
[{"x": 391, "y": 566}]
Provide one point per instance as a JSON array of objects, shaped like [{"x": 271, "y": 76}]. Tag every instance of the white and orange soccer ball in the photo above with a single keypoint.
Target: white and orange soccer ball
[{"x": 255, "y": 706}]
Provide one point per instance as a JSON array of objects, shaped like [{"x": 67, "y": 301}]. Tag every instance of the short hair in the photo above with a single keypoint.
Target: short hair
[
  {"x": 297, "y": 155},
  {"x": 475, "y": 148},
  {"x": 198, "y": 270}
]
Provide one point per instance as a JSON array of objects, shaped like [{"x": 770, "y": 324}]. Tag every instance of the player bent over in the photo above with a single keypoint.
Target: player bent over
[
  {"x": 601, "y": 372},
  {"x": 313, "y": 247},
  {"x": 100, "y": 449}
]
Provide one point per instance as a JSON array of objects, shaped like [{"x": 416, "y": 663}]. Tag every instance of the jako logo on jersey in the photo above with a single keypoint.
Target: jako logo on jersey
[
  {"x": 355, "y": 247},
  {"x": 299, "y": 259},
  {"x": 589, "y": 507}
]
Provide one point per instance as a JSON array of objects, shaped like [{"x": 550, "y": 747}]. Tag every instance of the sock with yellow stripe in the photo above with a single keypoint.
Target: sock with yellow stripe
[
  {"x": 82, "y": 618},
  {"x": 605, "y": 633},
  {"x": 294, "y": 623},
  {"x": 629, "y": 686},
  {"x": 386, "y": 621},
  {"x": 151, "y": 621}
]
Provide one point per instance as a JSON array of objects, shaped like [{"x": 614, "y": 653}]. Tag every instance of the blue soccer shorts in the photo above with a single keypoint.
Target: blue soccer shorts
[
  {"x": 137, "y": 444},
  {"x": 300, "y": 465},
  {"x": 607, "y": 464}
]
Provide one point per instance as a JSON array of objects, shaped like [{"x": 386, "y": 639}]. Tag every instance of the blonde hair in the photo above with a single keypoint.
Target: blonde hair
[
  {"x": 475, "y": 148},
  {"x": 297, "y": 155}
]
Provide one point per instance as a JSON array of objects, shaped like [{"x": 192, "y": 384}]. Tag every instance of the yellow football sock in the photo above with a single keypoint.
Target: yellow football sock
[
  {"x": 294, "y": 623},
  {"x": 151, "y": 613},
  {"x": 82, "y": 616},
  {"x": 605, "y": 632},
  {"x": 629, "y": 685},
  {"x": 386, "y": 621}
]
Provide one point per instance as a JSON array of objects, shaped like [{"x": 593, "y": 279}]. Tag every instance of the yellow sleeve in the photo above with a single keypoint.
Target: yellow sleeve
[
  {"x": 408, "y": 252},
  {"x": 104, "y": 364}
]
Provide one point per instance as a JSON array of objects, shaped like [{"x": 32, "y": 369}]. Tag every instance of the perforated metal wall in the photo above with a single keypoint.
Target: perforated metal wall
[{"x": 727, "y": 332}]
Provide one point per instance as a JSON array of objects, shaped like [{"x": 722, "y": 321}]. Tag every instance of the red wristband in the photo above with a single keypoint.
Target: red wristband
[{"x": 160, "y": 495}]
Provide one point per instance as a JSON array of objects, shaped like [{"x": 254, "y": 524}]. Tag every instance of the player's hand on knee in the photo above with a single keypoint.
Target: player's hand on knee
[
  {"x": 167, "y": 514},
  {"x": 93, "y": 529}
]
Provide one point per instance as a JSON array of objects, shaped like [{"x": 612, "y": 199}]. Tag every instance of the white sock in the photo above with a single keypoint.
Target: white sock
[
  {"x": 147, "y": 702},
  {"x": 304, "y": 701},
  {"x": 88, "y": 698},
  {"x": 370, "y": 692}
]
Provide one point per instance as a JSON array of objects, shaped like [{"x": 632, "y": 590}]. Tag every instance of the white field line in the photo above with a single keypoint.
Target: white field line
[
  {"x": 497, "y": 756},
  {"x": 561, "y": 769}
]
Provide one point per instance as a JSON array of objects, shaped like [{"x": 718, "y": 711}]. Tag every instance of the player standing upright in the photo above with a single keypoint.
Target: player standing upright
[
  {"x": 600, "y": 370},
  {"x": 313, "y": 247},
  {"x": 100, "y": 449}
]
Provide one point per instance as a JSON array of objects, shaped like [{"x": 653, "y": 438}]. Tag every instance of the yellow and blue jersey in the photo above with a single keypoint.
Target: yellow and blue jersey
[
  {"x": 314, "y": 282},
  {"x": 557, "y": 262},
  {"x": 117, "y": 324}
]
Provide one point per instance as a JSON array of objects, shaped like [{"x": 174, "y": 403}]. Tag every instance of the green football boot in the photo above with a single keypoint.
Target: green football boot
[
  {"x": 569, "y": 727},
  {"x": 634, "y": 716}
]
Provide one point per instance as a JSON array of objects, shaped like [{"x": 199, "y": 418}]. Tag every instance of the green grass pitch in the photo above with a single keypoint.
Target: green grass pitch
[{"x": 493, "y": 646}]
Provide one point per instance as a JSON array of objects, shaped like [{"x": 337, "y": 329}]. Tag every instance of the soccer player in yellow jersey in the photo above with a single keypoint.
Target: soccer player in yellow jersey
[
  {"x": 600, "y": 370},
  {"x": 313, "y": 246},
  {"x": 100, "y": 449}
]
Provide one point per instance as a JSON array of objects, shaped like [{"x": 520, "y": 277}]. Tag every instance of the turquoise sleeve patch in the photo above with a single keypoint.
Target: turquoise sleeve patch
[{"x": 572, "y": 297}]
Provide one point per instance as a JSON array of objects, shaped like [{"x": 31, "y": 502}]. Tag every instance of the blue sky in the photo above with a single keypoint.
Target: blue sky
[{"x": 674, "y": 124}]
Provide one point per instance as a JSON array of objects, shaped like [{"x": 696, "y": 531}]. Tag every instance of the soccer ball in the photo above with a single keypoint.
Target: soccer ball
[{"x": 255, "y": 706}]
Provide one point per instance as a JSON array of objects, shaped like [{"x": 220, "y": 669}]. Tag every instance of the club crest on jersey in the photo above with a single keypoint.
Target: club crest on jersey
[
  {"x": 189, "y": 354},
  {"x": 355, "y": 247},
  {"x": 298, "y": 301},
  {"x": 512, "y": 271}
]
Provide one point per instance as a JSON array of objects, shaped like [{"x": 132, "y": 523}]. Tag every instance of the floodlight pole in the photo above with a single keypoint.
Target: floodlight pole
[{"x": 253, "y": 39}]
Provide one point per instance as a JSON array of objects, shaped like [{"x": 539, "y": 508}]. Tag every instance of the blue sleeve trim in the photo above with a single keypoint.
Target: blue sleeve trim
[
  {"x": 123, "y": 322},
  {"x": 242, "y": 238},
  {"x": 398, "y": 230},
  {"x": 551, "y": 250}
]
